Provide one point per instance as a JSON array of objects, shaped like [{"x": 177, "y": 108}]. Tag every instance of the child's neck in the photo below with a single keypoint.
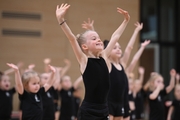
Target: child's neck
[
  {"x": 93, "y": 55},
  {"x": 114, "y": 60}
]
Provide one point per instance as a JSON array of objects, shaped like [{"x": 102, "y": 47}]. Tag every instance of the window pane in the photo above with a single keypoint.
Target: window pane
[
  {"x": 168, "y": 61},
  {"x": 167, "y": 19},
  {"x": 149, "y": 19}
]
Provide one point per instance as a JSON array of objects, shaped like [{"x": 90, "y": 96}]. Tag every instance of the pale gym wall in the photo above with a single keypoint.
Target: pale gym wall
[{"x": 49, "y": 40}]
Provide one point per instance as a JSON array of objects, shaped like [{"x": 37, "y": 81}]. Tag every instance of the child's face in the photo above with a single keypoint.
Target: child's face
[
  {"x": 177, "y": 92},
  {"x": 34, "y": 85},
  {"x": 137, "y": 85},
  {"x": 159, "y": 82},
  {"x": 93, "y": 42},
  {"x": 66, "y": 82},
  {"x": 116, "y": 51},
  {"x": 44, "y": 78},
  {"x": 5, "y": 82}
]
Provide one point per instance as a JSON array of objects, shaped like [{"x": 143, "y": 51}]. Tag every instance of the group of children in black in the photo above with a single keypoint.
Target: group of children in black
[{"x": 111, "y": 91}]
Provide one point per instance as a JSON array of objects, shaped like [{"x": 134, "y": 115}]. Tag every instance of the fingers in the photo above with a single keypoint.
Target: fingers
[
  {"x": 173, "y": 72},
  {"x": 9, "y": 64},
  {"x": 52, "y": 68},
  {"x": 63, "y": 6},
  {"x": 125, "y": 13},
  {"x": 121, "y": 11}
]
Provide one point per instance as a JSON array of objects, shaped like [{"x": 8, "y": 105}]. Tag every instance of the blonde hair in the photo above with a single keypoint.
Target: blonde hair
[
  {"x": 27, "y": 76},
  {"x": 81, "y": 38},
  {"x": 65, "y": 77},
  {"x": 131, "y": 76},
  {"x": 152, "y": 78}
]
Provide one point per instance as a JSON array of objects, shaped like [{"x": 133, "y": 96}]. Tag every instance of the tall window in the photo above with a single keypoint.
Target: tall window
[{"x": 162, "y": 27}]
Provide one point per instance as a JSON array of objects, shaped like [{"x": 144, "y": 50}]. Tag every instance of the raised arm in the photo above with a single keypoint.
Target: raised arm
[
  {"x": 155, "y": 93},
  {"x": 46, "y": 61},
  {"x": 77, "y": 82},
  {"x": 18, "y": 81},
  {"x": 57, "y": 78},
  {"x": 60, "y": 12},
  {"x": 51, "y": 80},
  {"x": 170, "y": 111},
  {"x": 89, "y": 25},
  {"x": 177, "y": 78},
  {"x": 11, "y": 70},
  {"x": 136, "y": 57},
  {"x": 141, "y": 74},
  {"x": 172, "y": 81},
  {"x": 66, "y": 67},
  {"x": 129, "y": 47},
  {"x": 117, "y": 34}
]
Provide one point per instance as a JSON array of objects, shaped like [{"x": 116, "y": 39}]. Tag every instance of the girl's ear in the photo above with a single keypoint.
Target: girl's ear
[{"x": 84, "y": 46}]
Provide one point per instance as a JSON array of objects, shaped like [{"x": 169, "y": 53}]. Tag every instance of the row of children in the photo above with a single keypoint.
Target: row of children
[
  {"x": 105, "y": 74},
  {"x": 37, "y": 101}
]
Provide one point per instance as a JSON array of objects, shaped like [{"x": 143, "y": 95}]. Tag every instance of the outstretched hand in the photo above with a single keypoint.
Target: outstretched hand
[
  {"x": 177, "y": 78},
  {"x": 61, "y": 11},
  {"x": 88, "y": 25},
  {"x": 31, "y": 66},
  {"x": 53, "y": 69},
  {"x": 125, "y": 13},
  {"x": 173, "y": 72},
  {"x": 47, "y": 60},
  {"x": 141, "y": 70},
  {"x": 145, "y": 43},
  {"x": 13, "y": 66},
  {"x": 67, "y": 62},
  {"x": 139, "y": 26}
]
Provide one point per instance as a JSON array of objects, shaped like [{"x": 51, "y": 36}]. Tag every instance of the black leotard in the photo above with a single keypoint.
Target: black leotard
[{"x": 96, "y": 82}]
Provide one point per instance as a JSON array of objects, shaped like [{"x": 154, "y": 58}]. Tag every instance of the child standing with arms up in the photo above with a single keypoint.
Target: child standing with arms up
[
  {"x": 6, "y": 97},
  {"x": 157, "y": 94},
  {"x": 175, "y": 107},
  {"x": 94, "y": 65},
  {"x": 30, "y": 92},
  {"x": 118, "y": 94}
]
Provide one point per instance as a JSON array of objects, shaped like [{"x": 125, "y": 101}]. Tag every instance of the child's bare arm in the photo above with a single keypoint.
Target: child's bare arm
[
  {"x": 57, "y": 78},
  {"x": 66, "y": 67},
  {"x": 136, "y": 57},
  {"x": 146, "y": 86},
  {"x": 18, "y": 80},
  {"x": 155, "y": 93},
  {"x": 117, "y": 34},
  {"x": 89, "y": 25},
  {"x": 129, "y": 47},
  {"x": 11, "y": 70},
  {"x": 60, "y": 12},
  {"x": 177, "y": 78},
  {"x": 77, "y": 82},
  {"x": 46, "y": 61},
  {"x": 171, "y": 109},
  {"x": 51, "y": 78},
  {"x": 172, "y": 81},
  {"x": 141, "y": 74}
]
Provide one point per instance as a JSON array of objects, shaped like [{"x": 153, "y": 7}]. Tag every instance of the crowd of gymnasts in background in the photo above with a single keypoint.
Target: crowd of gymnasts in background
[{"x": 111, "y": 90}]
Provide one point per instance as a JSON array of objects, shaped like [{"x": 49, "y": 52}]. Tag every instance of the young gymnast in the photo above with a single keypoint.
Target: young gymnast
[
  {"x": 66, "y": 90},
  {"x": 175, "y": 107},
  {"x": 6, "y": 97},
  {"x": 48, "y": 96},
  {"x": 116, "y": 108},
  {"x": 139, "y": 95},
  {"x": 94, "y": 65},
  {"x": 157, "y": 92},
  {"x": 30, "y": 92}
]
